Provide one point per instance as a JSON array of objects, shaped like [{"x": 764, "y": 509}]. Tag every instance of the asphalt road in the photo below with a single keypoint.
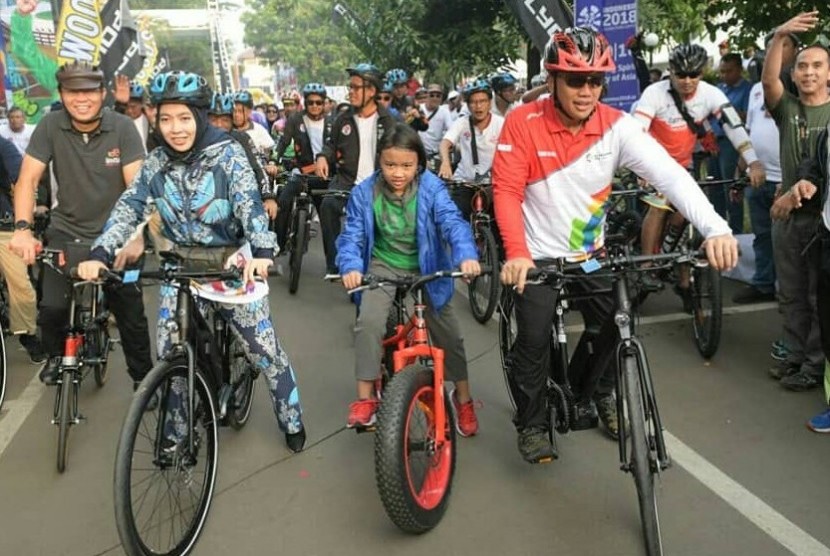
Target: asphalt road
[{"x": 748, "y": 477}]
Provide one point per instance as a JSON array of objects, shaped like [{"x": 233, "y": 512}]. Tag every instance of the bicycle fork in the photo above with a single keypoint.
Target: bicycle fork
[{"x": 72, "y": 344}]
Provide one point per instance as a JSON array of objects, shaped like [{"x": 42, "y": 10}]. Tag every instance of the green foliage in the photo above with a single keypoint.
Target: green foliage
[{"x": 186, "y": 52}]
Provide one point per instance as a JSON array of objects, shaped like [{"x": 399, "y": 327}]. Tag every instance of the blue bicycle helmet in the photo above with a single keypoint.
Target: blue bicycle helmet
[
  {"x": 244, "y": 98},
  {"x": 367, "y": 72},
  {"x": 314, "y": 89},
  {"x": 221, "y": 105},
  {"x": 502, "y": 81},
  {"x": 136, "y": 91},
  {"x": 397, "y": 76},
  {"x": 184, "y": 87},
  {"x": 479, "y": 85},
  {"x": 388, "y": 86}
]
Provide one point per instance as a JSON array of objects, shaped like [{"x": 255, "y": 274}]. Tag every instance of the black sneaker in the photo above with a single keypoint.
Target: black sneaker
[
  {"x": 783, "y": 369},
  {"x": 650, "y": 282},
  {"x": 50, "y": 372},
  {"x": 31, "y": 344},
  {"x": 607, "y": 411},
  {"x": 801, "y": 381},
  {"x": 535, "y": 446},
  {"x": 295, "y": 441},
  {"x": 751, "y": 294}
]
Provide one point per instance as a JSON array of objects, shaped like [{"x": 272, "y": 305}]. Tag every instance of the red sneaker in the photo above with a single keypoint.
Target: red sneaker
[
  {"x": 466, "y": 422},
  {"x": 362, "y": 413}
]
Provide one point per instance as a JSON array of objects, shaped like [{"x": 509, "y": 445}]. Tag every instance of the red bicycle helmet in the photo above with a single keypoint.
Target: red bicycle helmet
[{"x": 579, "y": 50}]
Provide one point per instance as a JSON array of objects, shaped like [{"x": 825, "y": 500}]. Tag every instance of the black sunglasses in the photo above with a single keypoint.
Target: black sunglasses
[
  {"x": 314, "y": 103},
  {"x": 685, "y": 74},
  {"x": 436, "y": 94},
  {"x": 578, "y": 80},
  {"x": 385, "y": 98}
]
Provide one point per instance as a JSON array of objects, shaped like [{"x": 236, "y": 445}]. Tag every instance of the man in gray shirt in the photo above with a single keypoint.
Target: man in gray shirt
[{"x": 95, "y": 154}]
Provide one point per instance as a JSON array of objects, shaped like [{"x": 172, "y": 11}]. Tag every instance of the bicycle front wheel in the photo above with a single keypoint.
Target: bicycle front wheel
[
  {"x": 64, "y": 417},
  {"x": 242, "y": 380},
  {"x": 165, "y": 471},
  {"x": 507, "y": 337},
  {"x": 298, "y": 241},
  {"x": 483, "y": 291},
  {"x": 707, "y": 311},
  {"x": 642, "y": 459},
  {"x": 414, "y": 474},
  {"x": 2, "y": 368}
]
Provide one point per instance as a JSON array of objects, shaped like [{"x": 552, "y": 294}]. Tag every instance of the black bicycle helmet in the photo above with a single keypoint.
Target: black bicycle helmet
[
  {"x": 184, "y": 87},
  {"x": 688, "y": 58}
]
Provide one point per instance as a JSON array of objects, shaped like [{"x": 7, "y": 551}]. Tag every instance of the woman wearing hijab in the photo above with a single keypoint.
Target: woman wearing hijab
[{"x": 205, "y": 191}]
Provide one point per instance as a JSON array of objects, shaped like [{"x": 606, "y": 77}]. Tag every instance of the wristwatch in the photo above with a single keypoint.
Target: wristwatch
[{"x": 22, "y": 225}]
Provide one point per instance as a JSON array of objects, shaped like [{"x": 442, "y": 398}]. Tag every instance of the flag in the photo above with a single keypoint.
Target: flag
[
  {"x": 78, "y": 36},
  {"x": 541, "y": 18},
  {"x": 120, "y": 48},
  {"x": 148, "y": 49}
]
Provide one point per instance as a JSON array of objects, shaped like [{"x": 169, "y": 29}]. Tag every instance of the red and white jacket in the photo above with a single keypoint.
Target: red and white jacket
[{"x": 550, "y": 186}]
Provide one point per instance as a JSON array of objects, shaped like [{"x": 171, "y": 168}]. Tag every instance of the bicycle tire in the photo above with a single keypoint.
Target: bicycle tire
[
  {"x": 97, "y": 345},
  {"x": 144, "y": 453},
  {"x": 641, "y": 462},
  {"x": 483, "y": 291},
  {"x": 295, "y": 258},
  {"x": 243, "y": 381},
  {"x": 64, "y": 418},
  {"x": 507, "y": 338},
  {"x": 414, "y": 493},
  {"x": 707, "y": 316},
  {"x": 2, "y": 368}
]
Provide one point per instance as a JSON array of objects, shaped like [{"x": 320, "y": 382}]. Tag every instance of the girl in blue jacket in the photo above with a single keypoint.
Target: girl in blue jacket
[{"x": 401, "y": 221}]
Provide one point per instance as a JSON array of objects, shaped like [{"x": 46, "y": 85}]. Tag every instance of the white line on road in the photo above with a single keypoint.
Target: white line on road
[
  {"x": 17, "y": 410},
  {"x": 784, "y": 531}
]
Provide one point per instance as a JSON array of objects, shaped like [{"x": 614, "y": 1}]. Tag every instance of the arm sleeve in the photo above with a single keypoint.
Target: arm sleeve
[
  {"x": 736, "y": 135},
  {"x": 351, "y": 243},
  {"x": 642, "y": 154},
  {"x": 129, "y": 211},
  {"x": 454, "y": 132},
  {"x": 329, "y": 142},
  {"x": 246, "y": 203},
  {"x": 646, "y": 107},
  {"x": 510, "y": 175}
]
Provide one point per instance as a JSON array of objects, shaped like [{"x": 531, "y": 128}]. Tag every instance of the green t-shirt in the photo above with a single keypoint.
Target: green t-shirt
[
  {"x": 787, "y": 116},
  {"x": 395, "y": 241}
]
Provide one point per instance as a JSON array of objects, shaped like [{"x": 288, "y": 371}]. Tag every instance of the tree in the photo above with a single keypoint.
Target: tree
[{"x": 186, "y": 52}]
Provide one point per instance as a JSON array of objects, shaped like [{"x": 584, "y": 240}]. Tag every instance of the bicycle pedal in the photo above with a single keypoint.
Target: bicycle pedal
[
  {"x": 545, "y": 460},
  {"x": 361, "y": 430}
]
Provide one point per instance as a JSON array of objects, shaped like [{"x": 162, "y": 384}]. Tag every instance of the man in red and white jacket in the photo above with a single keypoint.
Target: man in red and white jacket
[{"x": 552, "y": 174}]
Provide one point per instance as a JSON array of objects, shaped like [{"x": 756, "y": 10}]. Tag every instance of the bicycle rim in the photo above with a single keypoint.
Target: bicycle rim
[
  {"x": 298, "y": 240},
  {"x": 414, "y": 475},
  {"x": 483, "y": 291},
  {"x": 642, "y": 460},
  {"x": 2, "y": 368},
  {"x": 707, "y": 314},
  {"x": 242, "y": 381},
  {"x": 163, "y": 490},
  {"x": 64, "y": 418}
]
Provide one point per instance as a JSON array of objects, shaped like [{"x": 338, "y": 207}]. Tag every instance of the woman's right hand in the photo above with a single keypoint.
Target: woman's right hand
[
  {"x": 90, "y": 270},
  {"x": 352, "y": 280}
]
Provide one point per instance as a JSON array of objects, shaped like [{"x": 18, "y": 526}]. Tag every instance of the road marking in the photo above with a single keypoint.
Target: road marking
[
  {"x": 18, "y": 410},
  {"x": 784, "y": 531}
]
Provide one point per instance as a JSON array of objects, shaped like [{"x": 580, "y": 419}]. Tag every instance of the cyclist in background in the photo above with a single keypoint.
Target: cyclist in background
[
  {"x": 399, "y": 221},
  {"x": 206, "y": 160},
  {"x": 504, "y": 87},
  {"x": 385, "y": 100},
  {"x": 438, "y": 120},
  {"x": 243, "y": 106},
  {"x": 399, "y": 80},
  {"x": 552, "y": 171}
]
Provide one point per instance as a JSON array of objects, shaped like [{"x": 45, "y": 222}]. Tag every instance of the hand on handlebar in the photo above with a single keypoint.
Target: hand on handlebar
[
  {"x": 757, "y": 174},
  {"x": 471, "y": 268},
  {"x": 514, "y": 272},
  {"x": 352, "y": 280},
  {"x": 445, "y": 171},
  {"x": 130, "y": 253},
  {"x": 321, "y": 167},
  {"x": 90, "y": 270},
  {"x": 271, "y": 208},
  {"x": 254, "y": 268},
  {"x": 24, "y": 244},
  {"x": 722, "y": 251}
]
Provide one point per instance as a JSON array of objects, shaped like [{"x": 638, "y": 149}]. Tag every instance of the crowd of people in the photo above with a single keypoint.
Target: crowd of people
[{"x": 178, "y": 163}]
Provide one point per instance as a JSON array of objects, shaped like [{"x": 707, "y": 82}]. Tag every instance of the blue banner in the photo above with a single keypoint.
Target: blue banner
[{"x": 617, "y": 20}]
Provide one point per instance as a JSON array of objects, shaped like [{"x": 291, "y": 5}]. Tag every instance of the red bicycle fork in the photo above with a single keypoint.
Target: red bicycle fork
[{"x": 72, "y": 345}]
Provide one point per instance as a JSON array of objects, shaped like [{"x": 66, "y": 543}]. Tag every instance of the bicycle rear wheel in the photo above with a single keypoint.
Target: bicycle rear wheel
[
  {"x": 298, "y": 241},
  {"x": 413, "y": 474},
  {"x": 642, "y": 457},
  {"x": 507, "y": 337},
  {"x": 243, "y": 381},
  {"x": 483, "y": 291},
  {"x": 707, "y": 315},
  {"x": 65, "y": 416},
  {"x": 162, "y": 487},
  {"x": 97, "y": 348},
  {"x": 2, "y": 368}
]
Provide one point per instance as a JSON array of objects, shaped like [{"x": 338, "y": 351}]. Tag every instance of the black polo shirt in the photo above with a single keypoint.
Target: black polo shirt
[{"x": 87, "y": 167}]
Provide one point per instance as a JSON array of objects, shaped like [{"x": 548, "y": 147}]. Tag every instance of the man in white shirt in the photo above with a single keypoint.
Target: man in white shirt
[
  {"x": 18, "y": 131},
  {"x": 243, "y": 105},
  {"x": 438, "y": 119},
  {"x": 506, "y": 94}
]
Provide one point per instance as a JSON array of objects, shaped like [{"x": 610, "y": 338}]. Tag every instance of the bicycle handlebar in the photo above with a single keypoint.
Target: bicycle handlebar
[
  {"x": 735, "y": 183},
  {"x": 409, "y": 281},
  {"x": 468, "y": 184}
]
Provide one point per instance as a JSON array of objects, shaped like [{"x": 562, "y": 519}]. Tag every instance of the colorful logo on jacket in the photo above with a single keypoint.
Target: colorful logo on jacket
[{"x": 585, "y": 235}]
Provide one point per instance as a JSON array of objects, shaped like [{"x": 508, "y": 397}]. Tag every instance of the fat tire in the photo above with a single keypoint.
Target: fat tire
[
  {"x": 295, "y": 258},
  {"x": 128, "y": 532},
  {"x": 391, "y": 469},
  {"x": 706, "y": 285},
  {"x": 488, "y": 254}
]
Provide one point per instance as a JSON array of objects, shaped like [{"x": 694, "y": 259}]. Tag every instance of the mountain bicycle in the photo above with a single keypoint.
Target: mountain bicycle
[
  {"x": 642, "y": 448},
  {"x": 483, "y": 290},
  {"x": 87, "y": 346},
  {"x": 415, "y": 432},
  {"x": 168, "y": 452}
]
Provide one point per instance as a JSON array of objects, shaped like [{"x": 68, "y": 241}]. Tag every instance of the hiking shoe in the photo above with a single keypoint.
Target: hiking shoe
[
  {"x": 51, "y": 371},
  {"x": 779, "y": 350},
  {"x": 295, "y": 441},
  {"x": 751, "y": 294},
  {"x": 782, "y": 369},
  {"x": 650, "y": 282},
  {"x": 535, "y": 446},
  {"x": 686, "y": 296},
  {"x": 801, "y": 381},
  {"x": 31, "y": 344},
  {"x": 362, "y": 413},
  {"x": 466, "y": 422},
  {"x": 820, "y": 423},
  {"x": 607, "y": 411}
]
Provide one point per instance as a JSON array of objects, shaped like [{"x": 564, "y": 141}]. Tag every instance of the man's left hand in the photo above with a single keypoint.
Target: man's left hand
[
  {"x": 130, "y": 253},
  {"x": 254, "y": 268},
  {"x": 722, "y": 251}
]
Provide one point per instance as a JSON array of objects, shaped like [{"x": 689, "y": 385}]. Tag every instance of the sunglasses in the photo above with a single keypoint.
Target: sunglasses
[
  {"x": 685, "y": 74},
  {"x": 314, "y": 103},
  {"x": 436, "y": 95},
  {"x": 270, "y": 111},
  {"x": 385, "y": 98},
  {"x": 578, "y": 80}
]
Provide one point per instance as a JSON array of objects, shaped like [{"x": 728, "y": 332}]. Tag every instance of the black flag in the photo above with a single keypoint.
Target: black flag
[
  {"x": 120, "y": 47},
  {"x": 541, "y": 18}
]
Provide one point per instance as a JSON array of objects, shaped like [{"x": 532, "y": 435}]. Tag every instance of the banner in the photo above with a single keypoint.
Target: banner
[
  {"x": 617, "y": 20},
  {"x": 541, "y": 18},
  {"x": 149, "y": 49},
  {"x": 79, "y": 32}
]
